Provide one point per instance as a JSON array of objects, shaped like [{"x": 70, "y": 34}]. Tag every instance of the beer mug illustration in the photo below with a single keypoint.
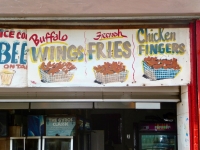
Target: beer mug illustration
[{"x": 7, "y": 76}]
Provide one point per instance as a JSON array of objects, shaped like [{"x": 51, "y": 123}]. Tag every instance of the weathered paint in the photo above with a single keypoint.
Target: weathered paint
[{"x": 98, "y": 8}]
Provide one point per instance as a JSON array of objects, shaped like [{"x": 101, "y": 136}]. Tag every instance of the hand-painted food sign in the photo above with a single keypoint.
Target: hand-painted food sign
[
  {"x": 13, "y": 60},
  {"x": 94, "y": 58},
  {"x": 159, "y": 42},
  {"x": 118, "y": 57}
]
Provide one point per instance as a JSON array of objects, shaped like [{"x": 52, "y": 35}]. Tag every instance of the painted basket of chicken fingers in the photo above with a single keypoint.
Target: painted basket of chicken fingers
[
  {"x": 56, "y": 72},
  {"x": 158, "y": 69},
  {"x": 110, "y": 72}
]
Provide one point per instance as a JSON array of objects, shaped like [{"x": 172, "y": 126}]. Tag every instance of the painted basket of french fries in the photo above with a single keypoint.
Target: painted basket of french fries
[
  {"x": 110, "y": 72},
  {"x": 158, "y": 69},
  {"x": 56, "y": 72}
]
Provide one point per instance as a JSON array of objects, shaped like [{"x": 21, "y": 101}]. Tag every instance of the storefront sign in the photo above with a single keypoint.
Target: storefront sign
[
  {"x": 157, "y": 127},
  {"x": 60, "y": 126},
  {"x": 95, "y": 58},
  {"x": 13, "y": 60}
]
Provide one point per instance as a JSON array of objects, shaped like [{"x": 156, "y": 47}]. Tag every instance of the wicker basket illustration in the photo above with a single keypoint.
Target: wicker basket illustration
[
  {"x": 57, "y": 77},
  {"x": 159, "y": 74},
  {"x": 115, "y": 77}
]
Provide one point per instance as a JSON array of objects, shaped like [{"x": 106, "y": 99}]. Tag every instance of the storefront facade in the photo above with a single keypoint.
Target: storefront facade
[
  {"x": 91, "y": 23},
  {"x": 33, "y": 86}
]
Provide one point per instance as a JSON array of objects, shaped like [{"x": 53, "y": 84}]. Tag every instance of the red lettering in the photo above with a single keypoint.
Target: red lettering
[
  {"x": 6, "y": 35},
  {"x": 108, "y": 35},
  {"x": 11, "y": 34},
  {"x": 56, "y": 37},
  {"x": 64, "y": 37},
  {"x": 1, "y": 33},
  {"x": 98, "y": 36},
  {"x": 24, "y": 35},
  {"x": 18, "y": 66},
  {"x": 35, "y": 39},
  {"x": 120, "y": 34},
  {"x": 114, "y": 34},
  {"x": 42, "y": 39},
  {"x": 48, "y": 37},
  {"x": 21, "y": 35},
  {"x": 102, "y": 36},
  {"x": 25, "y": 67},
  {"x": 18, "y": 35},
  {"x": 12, "y": 66},
  {"x": 59, "y": 35},
  {"x": 6, "y": 66}
]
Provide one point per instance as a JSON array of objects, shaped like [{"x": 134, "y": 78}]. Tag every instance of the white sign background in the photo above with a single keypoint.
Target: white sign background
[
  {"x": 13, "y": 57},
  {"x": 84, "y": 75}
]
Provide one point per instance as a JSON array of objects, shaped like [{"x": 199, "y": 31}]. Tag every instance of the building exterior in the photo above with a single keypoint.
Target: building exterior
[{"x": 108, "y": 15}]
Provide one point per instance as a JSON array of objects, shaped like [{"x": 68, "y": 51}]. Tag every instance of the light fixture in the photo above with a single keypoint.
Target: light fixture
[{"x": 147, "y": 106}]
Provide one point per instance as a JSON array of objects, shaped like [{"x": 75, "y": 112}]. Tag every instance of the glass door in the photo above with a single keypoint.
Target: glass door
[
  {"x": 25, "y": 143},
  {"x": 17, "y": 143},
  {"x": 158, "y": 142},
  {"x": 57, "y": 143},
  {"x": 32, "y": 143}
]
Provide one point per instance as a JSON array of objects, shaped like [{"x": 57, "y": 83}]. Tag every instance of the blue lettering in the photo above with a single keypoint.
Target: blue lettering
[
  {"x": 90, "y": 56},
  {"x": 141, "y": 49},
  {"x": 138, "y": 35},
  {"x": 23, "y": 52},
  {"x": 161, "y": 49},
  {"x": 4, "y": 52},
  {"x": 14, "y": 52},
  {"x": 153, "y": 48},
  {"x": 80, "y": 57},
  {"x": 168, "y": 49},
  {"x": 160, "y": 34},
  {"x": 147, "y": 49}
]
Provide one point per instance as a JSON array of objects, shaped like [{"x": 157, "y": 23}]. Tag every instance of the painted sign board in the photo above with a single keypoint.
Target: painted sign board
[
  {"x": 13, "y": 58},
  {"x": 94, "y": 58},
  {"x": 113, "y": 58}
]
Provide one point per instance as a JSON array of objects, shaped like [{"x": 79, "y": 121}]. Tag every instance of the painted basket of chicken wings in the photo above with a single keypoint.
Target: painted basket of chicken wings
[
  {"x": 56, "y": 72},
  {"x": 158, "y": 69},
  {"x": 110, "y": 72}
]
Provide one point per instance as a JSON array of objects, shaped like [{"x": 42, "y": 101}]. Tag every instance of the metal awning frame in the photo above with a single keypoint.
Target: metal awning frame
[
  {"x": 98, "y": 21},
  {"x": 91, "y": 94}
]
